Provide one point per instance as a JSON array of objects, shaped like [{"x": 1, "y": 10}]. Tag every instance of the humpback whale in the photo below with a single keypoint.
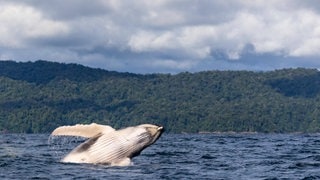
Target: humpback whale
[{"x": 106, "y": 145}]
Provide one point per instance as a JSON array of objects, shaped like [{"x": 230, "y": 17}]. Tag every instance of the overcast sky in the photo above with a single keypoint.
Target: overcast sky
[{"x": 163, "y": 36}]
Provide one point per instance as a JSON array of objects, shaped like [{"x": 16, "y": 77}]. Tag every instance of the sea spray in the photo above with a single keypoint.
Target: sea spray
[{"x": 62, "y": 145}]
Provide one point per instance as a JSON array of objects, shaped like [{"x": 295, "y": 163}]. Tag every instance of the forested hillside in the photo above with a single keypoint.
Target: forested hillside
[{"x": 37, "y": 97}]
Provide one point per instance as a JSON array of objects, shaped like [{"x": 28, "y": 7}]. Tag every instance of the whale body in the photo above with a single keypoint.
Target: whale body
[{"x": 107, "y": 145}]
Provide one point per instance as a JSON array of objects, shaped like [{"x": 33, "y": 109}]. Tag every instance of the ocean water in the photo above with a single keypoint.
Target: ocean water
[{"x": 173, "y": 156}]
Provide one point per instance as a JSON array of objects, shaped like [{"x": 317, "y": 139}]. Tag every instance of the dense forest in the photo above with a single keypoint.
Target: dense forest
[{"x": 36, "y": 97}]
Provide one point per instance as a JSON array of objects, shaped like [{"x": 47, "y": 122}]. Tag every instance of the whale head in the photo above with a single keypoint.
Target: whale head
[
  {"x": 140, "y": 137},
  {"x": 154, "y": 132}
]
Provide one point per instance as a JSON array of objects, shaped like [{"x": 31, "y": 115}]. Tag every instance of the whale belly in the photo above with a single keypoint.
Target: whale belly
[{"x": 104, "y": 149}]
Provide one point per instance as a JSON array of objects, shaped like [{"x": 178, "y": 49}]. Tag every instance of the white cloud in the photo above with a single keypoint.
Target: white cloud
[
  {"x": 19, "y": 23},
  {"x": 171, "y": 34},
  {"x": 290, "y": 33}
]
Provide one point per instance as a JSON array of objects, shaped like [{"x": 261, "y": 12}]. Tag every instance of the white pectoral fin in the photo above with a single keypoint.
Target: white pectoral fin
[{"x": 82, "y": 130}]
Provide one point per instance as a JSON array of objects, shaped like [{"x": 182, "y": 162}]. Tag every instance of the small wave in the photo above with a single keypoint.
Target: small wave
[
  {"x": 208, "y": 156},
  {"x": 311, "y": 177},
  {"x": 303, "y": 165},
  {"x": 4, "y": 164},
  {"x": 173, "y": 153}
]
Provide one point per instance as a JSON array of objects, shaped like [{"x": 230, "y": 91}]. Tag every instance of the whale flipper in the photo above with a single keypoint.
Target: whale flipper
[
  {"x": 87, "y": 144},
  {"x": 81, "y": 130}
]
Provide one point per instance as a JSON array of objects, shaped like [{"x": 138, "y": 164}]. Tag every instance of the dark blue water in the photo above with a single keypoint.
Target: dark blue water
[{"x": 173, "y": 156}]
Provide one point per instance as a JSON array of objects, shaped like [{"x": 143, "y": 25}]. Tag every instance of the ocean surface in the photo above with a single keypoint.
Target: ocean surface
[{"x": 173, "y": 156}]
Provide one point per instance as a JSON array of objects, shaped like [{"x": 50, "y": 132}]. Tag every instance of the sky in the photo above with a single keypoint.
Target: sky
[{"x": 163, "y": 36}]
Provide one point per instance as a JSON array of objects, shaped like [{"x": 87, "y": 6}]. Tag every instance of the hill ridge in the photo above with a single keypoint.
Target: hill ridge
[{"x": 36, "y": 97}]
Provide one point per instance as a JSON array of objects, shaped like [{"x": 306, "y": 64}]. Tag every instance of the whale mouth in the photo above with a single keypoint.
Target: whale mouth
[{"x": 160, "y": 128}]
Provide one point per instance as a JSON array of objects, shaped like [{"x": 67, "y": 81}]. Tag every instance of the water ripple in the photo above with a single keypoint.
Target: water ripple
[{"x": 173, "y": 156}]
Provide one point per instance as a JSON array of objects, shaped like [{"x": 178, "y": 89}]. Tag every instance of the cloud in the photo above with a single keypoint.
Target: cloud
[
  {"x": 21, "y": 23},
  {"x": 163, "y": 35}
]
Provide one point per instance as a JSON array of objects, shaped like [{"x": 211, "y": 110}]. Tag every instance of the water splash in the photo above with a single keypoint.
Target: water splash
[{"x": 62, "y": 145}]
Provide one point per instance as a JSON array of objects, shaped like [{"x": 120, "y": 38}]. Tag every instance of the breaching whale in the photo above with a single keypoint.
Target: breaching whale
[{"x": 107, "y": 145}]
